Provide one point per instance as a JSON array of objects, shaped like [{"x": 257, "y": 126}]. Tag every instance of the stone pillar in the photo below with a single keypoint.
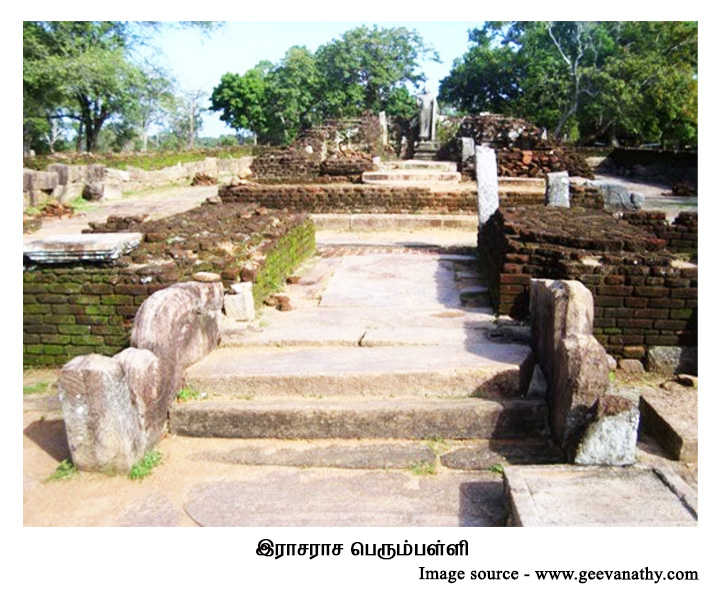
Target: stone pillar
[
  {"x": 557, "y": 189},
  {"x": 103, "y": 427},
  {"x": 468, "y": 149},
  {"x": 487, "y": 183},
  {"x": 384, "y": 128}
]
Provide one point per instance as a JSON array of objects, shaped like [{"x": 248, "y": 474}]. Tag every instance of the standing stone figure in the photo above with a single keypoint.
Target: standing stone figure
[{"x": 428, "y": 110}]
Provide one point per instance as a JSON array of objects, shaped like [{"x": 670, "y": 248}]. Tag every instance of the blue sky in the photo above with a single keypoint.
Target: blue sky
[{"x": 198, "y": 62}]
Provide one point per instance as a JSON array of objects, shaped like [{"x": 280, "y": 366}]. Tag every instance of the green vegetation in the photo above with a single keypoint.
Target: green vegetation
[
  {"x": 364, "y": 70},
  {"x": 37, "y": 388},
  {"x": 587, "y": 81},
  {"x": 64, "y": 471},
  {"x": 146, "y": 465},
  {"x": 187, "y": 394},
  {"x": 497, "y": 468},
  {"x": 424, "y": 468},
  {"x": 438, "y": 444}
]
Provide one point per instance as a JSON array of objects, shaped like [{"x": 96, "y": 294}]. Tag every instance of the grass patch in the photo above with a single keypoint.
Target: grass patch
[
  {"x": 423, "y": 468},
  {"x": 438, "y": 444},
  {"x": 497, "y": 468},
  {"x": 186, "y": 394},
  {"x": 37, "y": 388},
  {"x": 64, "y": 471},
  {"x": 82, "y": 205},
  {"x": 146, "y": 465}
]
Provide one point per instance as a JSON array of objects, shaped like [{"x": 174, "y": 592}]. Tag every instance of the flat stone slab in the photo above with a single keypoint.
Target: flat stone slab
[
  {"x": 359, "y": 456},
  {"x": 483, "y": 455},
  {"x": 468, "y": 370},
  {"x": 352, "y": 417},
  {"x": 155, "y": 510},
  {"x": 598, "y": 496},
  {"x": 670, "y": 417},
  {"x": 63, "y": 248},
  {"x": 318, "y": 497},
  {"x": 392, "y": 282}
]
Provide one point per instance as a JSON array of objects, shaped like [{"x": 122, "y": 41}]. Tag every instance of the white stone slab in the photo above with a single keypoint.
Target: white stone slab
[{"x": 81, "y": 247}]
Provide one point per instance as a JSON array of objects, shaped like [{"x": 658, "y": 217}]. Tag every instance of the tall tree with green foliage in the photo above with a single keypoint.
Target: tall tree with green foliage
[
  {"x": 83, "y": 71},
  {"x": 365, "y": 70},
  {"x": 584, "y": 79}
]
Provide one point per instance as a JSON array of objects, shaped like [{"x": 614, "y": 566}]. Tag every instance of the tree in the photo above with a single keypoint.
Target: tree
[
  {"x": 364, "y": 69},
  {"x": 583, "y": 79},
  {"x": 187, "y": 116},
  {"x": 242, "y": 99},
  {"x": 82, "y": 71}
]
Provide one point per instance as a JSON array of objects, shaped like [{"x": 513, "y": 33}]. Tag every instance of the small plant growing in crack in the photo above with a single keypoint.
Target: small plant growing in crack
[
  {"x": 438, "y": 444},
  {"x": 64, "y": 471},
  {"x": 423, "y": 468},
  {"x": 497, "y": 468},
  {"x": 146, "y": 465}
]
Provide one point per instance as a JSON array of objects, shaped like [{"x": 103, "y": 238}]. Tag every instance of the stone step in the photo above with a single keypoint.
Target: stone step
[
  {"x": 410, "y": 176},
  {"x": 417, "y": 165},
  {"x": 482, "y": 369},
  {"x": 344, "y": 418},
  {"x": 378, "y": 454},
  {"x": 392, "y": 221}
]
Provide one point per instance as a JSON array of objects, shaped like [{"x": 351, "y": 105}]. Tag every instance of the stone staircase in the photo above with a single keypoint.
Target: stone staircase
[
  {"x": 383, "y": 345},
  {"x": 414, "y": 172}
]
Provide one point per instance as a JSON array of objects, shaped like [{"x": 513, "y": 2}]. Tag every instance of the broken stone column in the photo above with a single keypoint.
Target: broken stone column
[
  {"x": 102, "y": 425},
  {"x": 572, "y": 360},
  {"x": 487, "y": 183},
  {"x": 180, "y": 325},
  {"x": 557, "y": 189}
]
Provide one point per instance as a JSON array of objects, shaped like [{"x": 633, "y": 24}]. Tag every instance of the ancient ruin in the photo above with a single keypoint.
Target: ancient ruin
[{"x": 495, "y": 346}]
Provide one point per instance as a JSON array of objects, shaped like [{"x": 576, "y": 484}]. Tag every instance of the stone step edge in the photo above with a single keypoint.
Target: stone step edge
[
  {"x": 394, "y": 220},
  {"x": 422, "y": 456},
  {"x": 323, "y": 419}
]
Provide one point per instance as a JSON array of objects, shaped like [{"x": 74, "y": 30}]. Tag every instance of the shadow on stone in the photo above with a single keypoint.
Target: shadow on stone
[
  {"x": 482, "y": 504},
  {"x": 50, "y": 436}
]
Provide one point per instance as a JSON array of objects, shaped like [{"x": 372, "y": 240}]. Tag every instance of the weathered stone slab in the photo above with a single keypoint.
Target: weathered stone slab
[
  {"x": 103, "y": 428},
  {"x": 358, "y": 456},
  {"x": 617, "y": 197},
  {"x": 672, "y": 359},
  {"x": 155, "y": 510},
  {"x": 63, "y": 248},
  {"x": 316, "y": 497},
  {"x": 670, "y": 417},
  {"x": 240, "y": 306},
  {"x": 610, "y": 437},
  {"x": 486, "y": 454},
  {"x": 487, "y": 183},
  {"x": 557, "y": 189},
  {"x": 598, "y": 496}
]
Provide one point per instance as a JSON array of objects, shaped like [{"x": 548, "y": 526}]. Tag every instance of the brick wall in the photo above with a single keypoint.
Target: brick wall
[
  {"x": 644, "y": 295},
  {"x": 76, "y": 309}
]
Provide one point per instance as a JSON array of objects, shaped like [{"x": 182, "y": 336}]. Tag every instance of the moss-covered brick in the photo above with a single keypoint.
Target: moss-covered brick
[
  {"x": 34, "y": 288},
  {"x": 116, "y": 299},
  {"x": 42, "y": 329},
  {"x": 54, "y": 339},
  {"x": 75, "y": 330},
  {"x": 115, "y": 320},
  {"x": 97, "y": 289},
  {"x": 120, "y": 340},
  {"x": 61, "y": 319},
  {"x": 84, "y": 299},
  {"x": 33, "y": 349},
  {"x": 92, "y": 320},
  {"x": 69, "y": 309},
  {"x": 54, "y": 349},
  {"x": 99, "y": 310},
  {"x": 29, "y": 299},
  {"x": 86, "y": 340},
  {"x": 32, "y": 338},
  {"x": 32, "y": 319},
  {"x": 68, "y": 288},
  {"x": 75, "y": 351},
  {"x": 36, "y": 309}
]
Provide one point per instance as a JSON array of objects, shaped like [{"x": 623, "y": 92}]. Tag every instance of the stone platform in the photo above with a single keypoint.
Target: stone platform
[{"x": 564, "y": 495}]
